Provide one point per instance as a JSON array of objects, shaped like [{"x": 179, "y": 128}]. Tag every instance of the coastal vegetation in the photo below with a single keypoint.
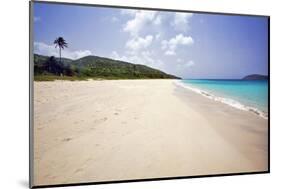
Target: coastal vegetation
[{"x": 92, "y": 67}]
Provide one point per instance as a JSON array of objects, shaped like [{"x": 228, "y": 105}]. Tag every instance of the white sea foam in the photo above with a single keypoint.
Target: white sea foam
[{"x": 224, "y": 100}]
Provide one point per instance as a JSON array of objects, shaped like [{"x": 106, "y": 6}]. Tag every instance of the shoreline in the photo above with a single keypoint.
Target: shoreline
[
  {"x": 90, "y": 131},
  {"x": 228, "y": 101}
]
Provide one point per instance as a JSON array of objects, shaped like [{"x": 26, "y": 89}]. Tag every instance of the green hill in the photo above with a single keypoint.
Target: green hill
[{"x": 93, "y": 67}]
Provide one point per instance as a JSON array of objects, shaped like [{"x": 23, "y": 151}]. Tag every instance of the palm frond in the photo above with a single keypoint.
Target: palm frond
[{"x": 60, "y": 42}]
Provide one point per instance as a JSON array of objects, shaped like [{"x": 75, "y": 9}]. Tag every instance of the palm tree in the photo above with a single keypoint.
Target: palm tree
[{"x": 60, "y": 42}]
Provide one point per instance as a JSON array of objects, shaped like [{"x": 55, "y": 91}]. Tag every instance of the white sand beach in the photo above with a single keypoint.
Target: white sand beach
[{"x": 91, "y": 131}]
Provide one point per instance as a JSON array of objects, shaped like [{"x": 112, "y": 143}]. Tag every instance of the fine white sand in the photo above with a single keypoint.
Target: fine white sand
[{"x": 90, "y": 131}]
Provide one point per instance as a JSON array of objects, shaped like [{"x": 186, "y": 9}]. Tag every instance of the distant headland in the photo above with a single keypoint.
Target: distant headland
[{"x": 255, "y": 77}]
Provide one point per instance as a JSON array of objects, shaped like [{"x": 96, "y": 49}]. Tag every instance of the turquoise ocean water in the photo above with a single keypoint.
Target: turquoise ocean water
[{"x": 246, "y": 95}]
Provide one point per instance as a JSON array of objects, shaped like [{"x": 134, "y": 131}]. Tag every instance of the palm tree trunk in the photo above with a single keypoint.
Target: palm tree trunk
[
  {"x": 60, "y": 60},
  {"x": 60, "y": 55}
]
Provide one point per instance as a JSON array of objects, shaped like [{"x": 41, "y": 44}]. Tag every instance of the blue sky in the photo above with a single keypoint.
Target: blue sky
[{"x": 189, "y": 45}]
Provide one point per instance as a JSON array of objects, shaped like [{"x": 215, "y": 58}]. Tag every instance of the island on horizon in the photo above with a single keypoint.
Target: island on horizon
[{"x": 255, "y": 77}]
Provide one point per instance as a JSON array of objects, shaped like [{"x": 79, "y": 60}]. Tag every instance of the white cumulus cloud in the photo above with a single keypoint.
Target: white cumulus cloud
[
  {"x": 188, "y": 64},
  {"x": 129, "y": 12},
  {"x": 179, "y": 60},
  {"x": 138, "y": 43},
  {"x": 50, "y": 50},
  {"x": 171, "y": 45},
  {"x": 139, "y": 20},
  {"x": 142, "y": 57},
  {"x": 181, "y": 21},
  {"x": 158, "y": 20},
  {"x": 114, "y": 55}
]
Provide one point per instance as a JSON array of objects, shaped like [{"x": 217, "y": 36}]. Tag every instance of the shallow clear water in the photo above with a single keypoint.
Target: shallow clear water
[{"x": 249, "y": 93}]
